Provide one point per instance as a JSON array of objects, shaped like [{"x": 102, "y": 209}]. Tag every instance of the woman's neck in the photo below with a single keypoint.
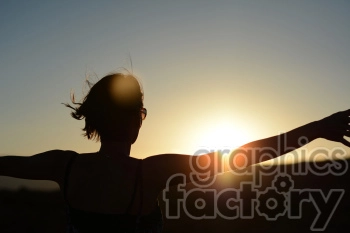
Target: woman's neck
[{"x": 115, "y": 148}]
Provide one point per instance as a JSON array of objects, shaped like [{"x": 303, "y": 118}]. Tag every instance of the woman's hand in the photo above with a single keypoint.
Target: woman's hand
[{"x": 335, "y": 127}]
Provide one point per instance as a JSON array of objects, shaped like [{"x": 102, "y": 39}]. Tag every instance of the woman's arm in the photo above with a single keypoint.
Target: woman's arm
[
  {"x": 44, "y": 166},
  {"x": 334, "y": 128}
]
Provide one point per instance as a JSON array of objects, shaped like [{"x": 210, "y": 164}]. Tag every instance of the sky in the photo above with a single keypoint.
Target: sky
[{"x": 215, "y": 73}]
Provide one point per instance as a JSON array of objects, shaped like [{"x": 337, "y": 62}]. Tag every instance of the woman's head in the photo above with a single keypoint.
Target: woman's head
[{"x": 112, "y": 109}]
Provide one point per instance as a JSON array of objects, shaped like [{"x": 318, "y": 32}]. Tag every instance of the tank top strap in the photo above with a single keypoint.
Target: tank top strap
[
  {"x": 138, "y": 182},
  {"x": 141, "y": 188}
]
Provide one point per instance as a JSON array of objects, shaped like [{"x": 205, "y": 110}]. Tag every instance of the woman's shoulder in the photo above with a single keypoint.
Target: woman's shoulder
[{"x": 158, "y": 169}]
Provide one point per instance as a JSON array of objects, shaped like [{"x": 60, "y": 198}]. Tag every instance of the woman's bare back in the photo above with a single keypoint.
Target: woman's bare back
[{"x": 102, "y": 184}]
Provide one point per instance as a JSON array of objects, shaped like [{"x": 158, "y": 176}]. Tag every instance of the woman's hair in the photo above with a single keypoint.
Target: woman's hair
[{"x": 109, "y": 106}]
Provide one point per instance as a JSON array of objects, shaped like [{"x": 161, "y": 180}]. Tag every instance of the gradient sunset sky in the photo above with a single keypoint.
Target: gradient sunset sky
[{"x": 214, "y": 73}]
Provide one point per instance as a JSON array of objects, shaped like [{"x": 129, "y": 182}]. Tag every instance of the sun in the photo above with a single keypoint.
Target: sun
[{"x": 223, "y": 134}]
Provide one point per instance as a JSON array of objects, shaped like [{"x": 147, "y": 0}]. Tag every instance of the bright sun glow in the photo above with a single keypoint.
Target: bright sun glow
[{"x": 224, "y": 135}]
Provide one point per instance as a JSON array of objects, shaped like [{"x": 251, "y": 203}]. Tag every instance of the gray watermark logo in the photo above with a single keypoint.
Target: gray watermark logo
[{"x": 252, "y": 199}]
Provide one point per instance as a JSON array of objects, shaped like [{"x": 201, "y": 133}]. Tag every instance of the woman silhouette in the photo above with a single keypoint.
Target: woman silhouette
[{"x": 109, "y": 191}]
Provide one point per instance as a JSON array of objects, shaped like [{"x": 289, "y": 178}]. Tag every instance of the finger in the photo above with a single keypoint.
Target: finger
[
  {"x": 347, "y": 133},
  {"x": 345, "y": 142}
]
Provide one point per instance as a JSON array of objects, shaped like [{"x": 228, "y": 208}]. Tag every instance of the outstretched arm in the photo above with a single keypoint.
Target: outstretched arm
[
  {"x": 332, "y": 128},
  {"x": 272, "y": 147},
  {"x": 44, "y": 166}
]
